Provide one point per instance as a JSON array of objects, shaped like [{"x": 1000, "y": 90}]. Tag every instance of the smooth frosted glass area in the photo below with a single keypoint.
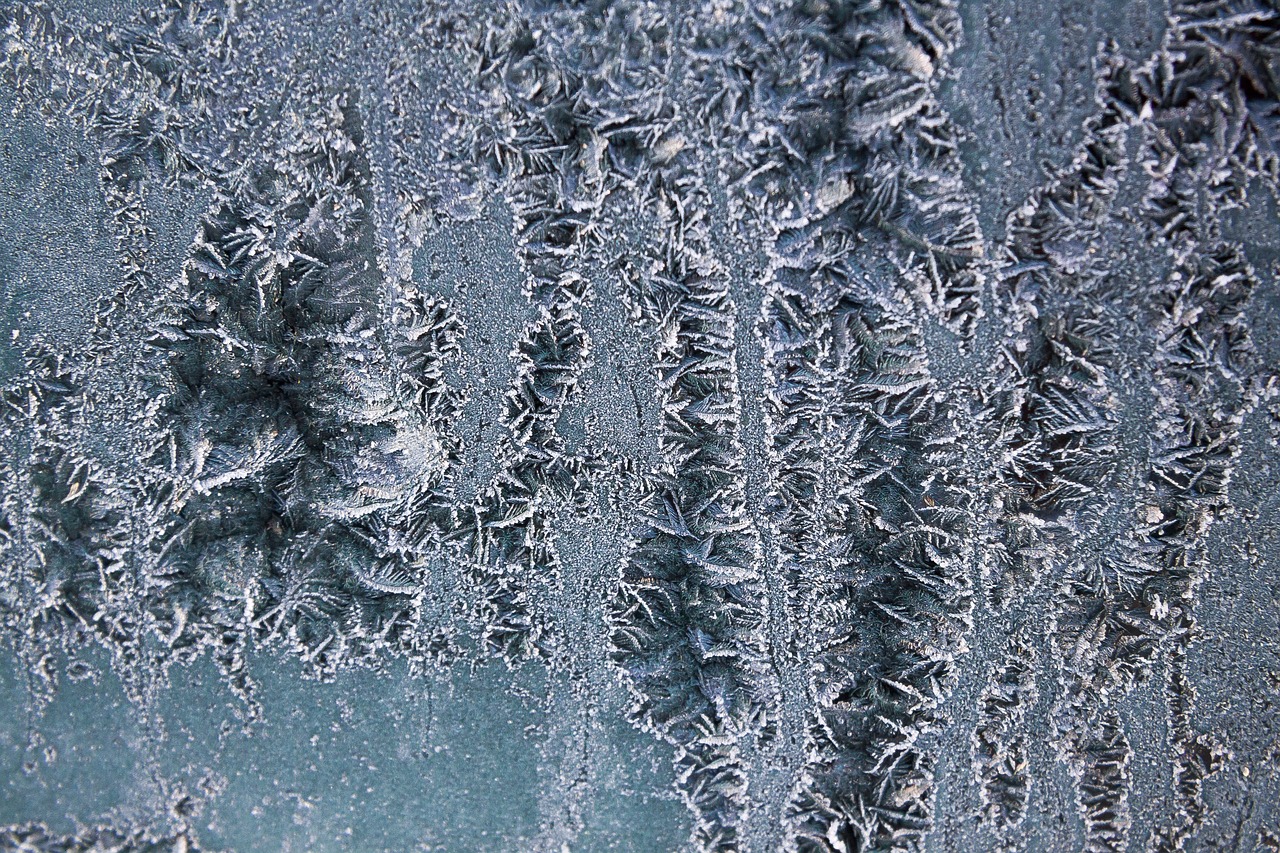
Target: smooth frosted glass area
[{"x": 453, "y": 762}]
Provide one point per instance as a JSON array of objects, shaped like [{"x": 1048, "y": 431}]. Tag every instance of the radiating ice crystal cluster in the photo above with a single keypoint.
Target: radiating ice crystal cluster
[{"x": 720, "y": 358}]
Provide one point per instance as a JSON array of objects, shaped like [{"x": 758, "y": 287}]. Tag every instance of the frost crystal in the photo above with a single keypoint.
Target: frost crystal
[{"x": 803, "y": 426}]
